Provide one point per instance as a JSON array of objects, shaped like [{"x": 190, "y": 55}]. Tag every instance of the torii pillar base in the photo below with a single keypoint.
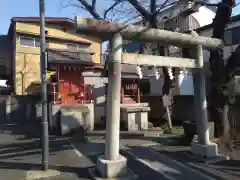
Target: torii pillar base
[
  {"x": 112, "y": 168},
  {"x": 205, "y": 151}
]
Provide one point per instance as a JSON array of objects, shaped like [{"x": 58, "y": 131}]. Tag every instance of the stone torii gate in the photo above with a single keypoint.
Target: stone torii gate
[{"x": 112, "y": 164}]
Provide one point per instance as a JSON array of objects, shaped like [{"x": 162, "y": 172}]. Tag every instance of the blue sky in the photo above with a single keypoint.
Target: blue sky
[{"x": 11, "y": 8}]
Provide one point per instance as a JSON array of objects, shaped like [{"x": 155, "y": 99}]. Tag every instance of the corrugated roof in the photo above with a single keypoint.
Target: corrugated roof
[
  {"x": 53, "y": 20},
  {"x": 63, "y": 56}
]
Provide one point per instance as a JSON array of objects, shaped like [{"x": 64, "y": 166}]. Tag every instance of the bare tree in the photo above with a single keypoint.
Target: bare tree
[
  {"x": 118, "y": 10},
  {"x": 217, "y": 99}
]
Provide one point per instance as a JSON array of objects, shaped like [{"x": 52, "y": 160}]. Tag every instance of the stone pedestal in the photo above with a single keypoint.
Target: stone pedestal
[
  {"x": 111, "y": 168},
  {"x": 76, "y": 116},
  {"x": 205, "y": 151},
  {"x": 135, "y": 117}
]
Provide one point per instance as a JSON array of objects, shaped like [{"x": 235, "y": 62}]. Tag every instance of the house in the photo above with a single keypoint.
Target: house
[
  {"x": 73, "y": 69},
  {"x": 231, "y": 40},
  {"x": 63, "y": 47},
  {"x": 5, "y": 62}
]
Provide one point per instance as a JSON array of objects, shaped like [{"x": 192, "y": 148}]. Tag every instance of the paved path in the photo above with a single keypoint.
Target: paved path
[
  {"x": 147, "y": 159},
  {"x": 19, "y": 154},
  {"x": 229, "y": 169}
]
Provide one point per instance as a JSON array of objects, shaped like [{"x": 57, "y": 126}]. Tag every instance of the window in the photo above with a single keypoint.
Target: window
[
  {"x": 26, "y": 41},
  {"x": 77, "y": 47},
  {"x": 29, "y": 41},
  {"x": 83, "y": 46},
  {"x": 72, "y": 47}
]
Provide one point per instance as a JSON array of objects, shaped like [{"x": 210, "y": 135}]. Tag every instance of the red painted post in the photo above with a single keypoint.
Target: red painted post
[
  {"x": 138, "y": 95},
  {"x": 122, "y": 95}
]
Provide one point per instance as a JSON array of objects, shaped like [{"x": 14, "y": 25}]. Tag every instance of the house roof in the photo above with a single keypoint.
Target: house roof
[
  {"x": 63, "y": 56},
  {"x": 52, "y": 20},
  {"x": 49, "y": 20}
]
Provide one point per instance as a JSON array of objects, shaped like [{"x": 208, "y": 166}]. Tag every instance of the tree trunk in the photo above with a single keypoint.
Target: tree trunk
[{"x": 218, "y": 102}]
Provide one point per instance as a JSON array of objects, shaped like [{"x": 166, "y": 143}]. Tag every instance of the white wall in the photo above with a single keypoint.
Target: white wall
[
  {"x": 156, "y": 85},
  {"x": 186, "y": 87},
  {"x": 98, "y": 92},
  {"x": 185, "y": 84}
]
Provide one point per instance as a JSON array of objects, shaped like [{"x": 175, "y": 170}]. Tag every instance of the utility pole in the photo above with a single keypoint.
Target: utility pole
[{"x": 43, "y": 62}]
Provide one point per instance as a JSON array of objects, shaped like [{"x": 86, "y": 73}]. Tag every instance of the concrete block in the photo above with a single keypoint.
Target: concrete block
[
  {"x": 211, "y": 130},
  {"x": 135, "y": 109},
  {"x": 135, "y": 105},
  {"x": 89, "y": 120},
  {"x": 111, "y": 169},
  {"x": 8, "y": 108},
  {"x": 99, "y": 113},
  {"x": 128, "y": 176},
  {"x": 70, "y": 121},
  {"x": 77, "y": 116},
  {"x": 129, "y": 121},
  {"x": 38, "y": 174},
  {"x": 142, "y": 120},
  {"x": 134, "y": 117},
  {"x": 55, "y": 116},
  {"x": 206, "y": 151},
  {"x": 190, "y": 131}
]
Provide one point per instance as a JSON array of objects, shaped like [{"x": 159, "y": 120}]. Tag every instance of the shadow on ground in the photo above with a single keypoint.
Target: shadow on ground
[{"x": 21, "y": 150}]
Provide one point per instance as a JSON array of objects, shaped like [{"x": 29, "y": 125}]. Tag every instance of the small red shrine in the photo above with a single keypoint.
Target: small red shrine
[
  {"x": 130, "y": 91},
  {"x": 67, "y": 84}
]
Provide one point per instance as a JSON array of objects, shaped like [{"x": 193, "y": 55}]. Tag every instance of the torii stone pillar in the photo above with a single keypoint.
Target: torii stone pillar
[
  {"x": 112, "y": 164},
  {"x": 203, "y": 147}
]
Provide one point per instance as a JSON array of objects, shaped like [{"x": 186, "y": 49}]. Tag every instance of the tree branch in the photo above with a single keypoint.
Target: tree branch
[
  {"x": 94, "y": 3},
  {"x": 137, "y": 5},
  {"x": 117, "y": 2},
  {"x": 91, "y": 8}
]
